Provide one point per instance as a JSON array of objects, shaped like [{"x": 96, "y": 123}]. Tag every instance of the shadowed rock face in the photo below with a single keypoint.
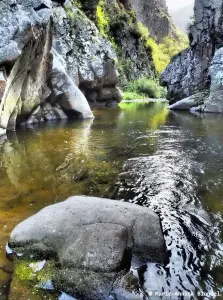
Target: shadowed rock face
[
  {"x": 93, "y": 240},
  {"x": 188, "y": 71}
]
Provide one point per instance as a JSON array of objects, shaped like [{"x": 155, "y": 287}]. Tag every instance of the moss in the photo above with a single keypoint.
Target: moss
[{"x": 26, "y": 282}]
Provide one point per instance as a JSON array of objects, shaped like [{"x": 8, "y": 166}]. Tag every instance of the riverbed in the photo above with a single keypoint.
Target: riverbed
[{"x": 170, "y": 162}]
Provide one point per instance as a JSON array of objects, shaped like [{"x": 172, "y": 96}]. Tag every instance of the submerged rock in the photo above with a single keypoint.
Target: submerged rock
[{"x": 94, "y": 241}]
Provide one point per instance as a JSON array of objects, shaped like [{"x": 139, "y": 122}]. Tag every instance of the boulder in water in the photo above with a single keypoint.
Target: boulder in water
[{"x": 93, "y": 240}]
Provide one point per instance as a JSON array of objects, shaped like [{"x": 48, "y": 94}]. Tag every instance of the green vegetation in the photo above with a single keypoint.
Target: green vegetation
[
  {"x": 162, "y": 53},
  {"x": 26, "y": 283},
  {"x": 132, "y": 96},
  {"x": 102, "y": 19},
  {"x": 144, "y": 88}
]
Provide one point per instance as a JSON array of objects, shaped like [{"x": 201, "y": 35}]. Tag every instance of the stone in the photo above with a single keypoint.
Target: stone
[
  {"x": 65, "y": 92},
  {"x": 89, "y": 57},
  {"x": 214, "y": 104},
  {"x": 93, "y": 240},
  {"x": 29, "y": 28},
  {"x": 190, "y": 102},
  {"x": 154, "y": 15},
  {"x": 2, "y": 131},
  {"x": 110, "y": 94}
]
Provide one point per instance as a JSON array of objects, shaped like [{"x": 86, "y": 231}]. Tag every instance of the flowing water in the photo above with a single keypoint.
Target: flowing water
[{"x": 141, "y": 153}]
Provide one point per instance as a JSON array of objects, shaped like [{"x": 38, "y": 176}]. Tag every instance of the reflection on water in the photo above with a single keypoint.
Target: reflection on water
[{"x": 141, "y": 153}]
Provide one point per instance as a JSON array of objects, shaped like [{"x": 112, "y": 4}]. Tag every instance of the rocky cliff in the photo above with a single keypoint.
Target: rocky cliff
[
  {"x": 57, "y": 56},
  {"x": 192, "y": 70},
  {"x": 154, "y": 14}
]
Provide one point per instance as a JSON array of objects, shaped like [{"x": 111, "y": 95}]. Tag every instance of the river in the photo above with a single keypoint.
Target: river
[{"x": 167, "y": 161}]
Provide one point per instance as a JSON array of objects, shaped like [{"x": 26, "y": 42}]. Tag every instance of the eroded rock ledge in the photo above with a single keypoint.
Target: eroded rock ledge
[{"x": 93, "y": 241}]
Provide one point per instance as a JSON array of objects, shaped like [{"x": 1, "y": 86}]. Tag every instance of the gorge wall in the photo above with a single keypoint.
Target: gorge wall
[{"x": 199, "y": 67}]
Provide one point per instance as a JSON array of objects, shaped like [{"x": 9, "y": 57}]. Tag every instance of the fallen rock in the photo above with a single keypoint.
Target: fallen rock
[
  {"x": 93, "y": 240},
  {"x": 190, "y": 102}
]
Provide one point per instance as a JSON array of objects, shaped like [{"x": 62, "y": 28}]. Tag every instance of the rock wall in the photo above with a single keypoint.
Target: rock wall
[
  {"x": 154, "y": 14},
  {"x": 188, "y": 72},
  {"x": 120, "y": 26},
  {"x": 90, "y": 58},
  {"x": 27, "y": 69}
]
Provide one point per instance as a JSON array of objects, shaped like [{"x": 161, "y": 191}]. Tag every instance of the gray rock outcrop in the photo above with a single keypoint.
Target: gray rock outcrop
[
  {"x": 91, "y": 59},
  {"x": 25, "y": 53},
  {"x": 215, "y": 101},
  {"x": 93, "y": 240},
  {"x": 154, "y": 14},
  {"x": 188, "y": 73}
]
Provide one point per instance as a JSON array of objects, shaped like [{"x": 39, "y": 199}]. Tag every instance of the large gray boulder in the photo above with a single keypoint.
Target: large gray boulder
[
  {"x": 190, "y": 102},
  {"x": 65, "y": 92},
  {"x": 93, "y": 240}
]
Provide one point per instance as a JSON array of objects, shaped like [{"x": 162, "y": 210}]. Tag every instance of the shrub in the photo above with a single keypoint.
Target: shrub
[
  {"x": 146, "y": 88},
  {"x": 132, "y": 96}
]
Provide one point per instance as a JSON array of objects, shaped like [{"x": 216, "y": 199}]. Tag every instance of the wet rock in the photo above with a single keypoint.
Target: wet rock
[
  {"x": 93, "y": 240},
  {"x": 190, "y": 102}
]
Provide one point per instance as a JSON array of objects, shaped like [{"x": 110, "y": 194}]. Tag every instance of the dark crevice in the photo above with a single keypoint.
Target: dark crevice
[{"x": 41, "y": 6}]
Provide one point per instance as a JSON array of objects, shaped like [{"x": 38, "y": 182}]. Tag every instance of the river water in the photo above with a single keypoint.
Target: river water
[{"x": 169, "y": 162}]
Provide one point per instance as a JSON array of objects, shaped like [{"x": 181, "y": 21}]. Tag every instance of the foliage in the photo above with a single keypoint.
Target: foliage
[
  {"x": 145, "y": 88},
  {"x": 102, "y": 19},
  {"x": 162, "y": 53},
  {"x": 132, "y": 96}
]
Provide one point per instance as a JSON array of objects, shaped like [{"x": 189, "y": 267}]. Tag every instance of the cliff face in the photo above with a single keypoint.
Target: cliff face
[
  {"x": 154, "y": 14},
  {"x": 188, "y": 72}
]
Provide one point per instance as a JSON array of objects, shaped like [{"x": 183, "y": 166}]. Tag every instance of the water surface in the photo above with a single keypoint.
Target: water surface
[{"x": 141, "y": 153}]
